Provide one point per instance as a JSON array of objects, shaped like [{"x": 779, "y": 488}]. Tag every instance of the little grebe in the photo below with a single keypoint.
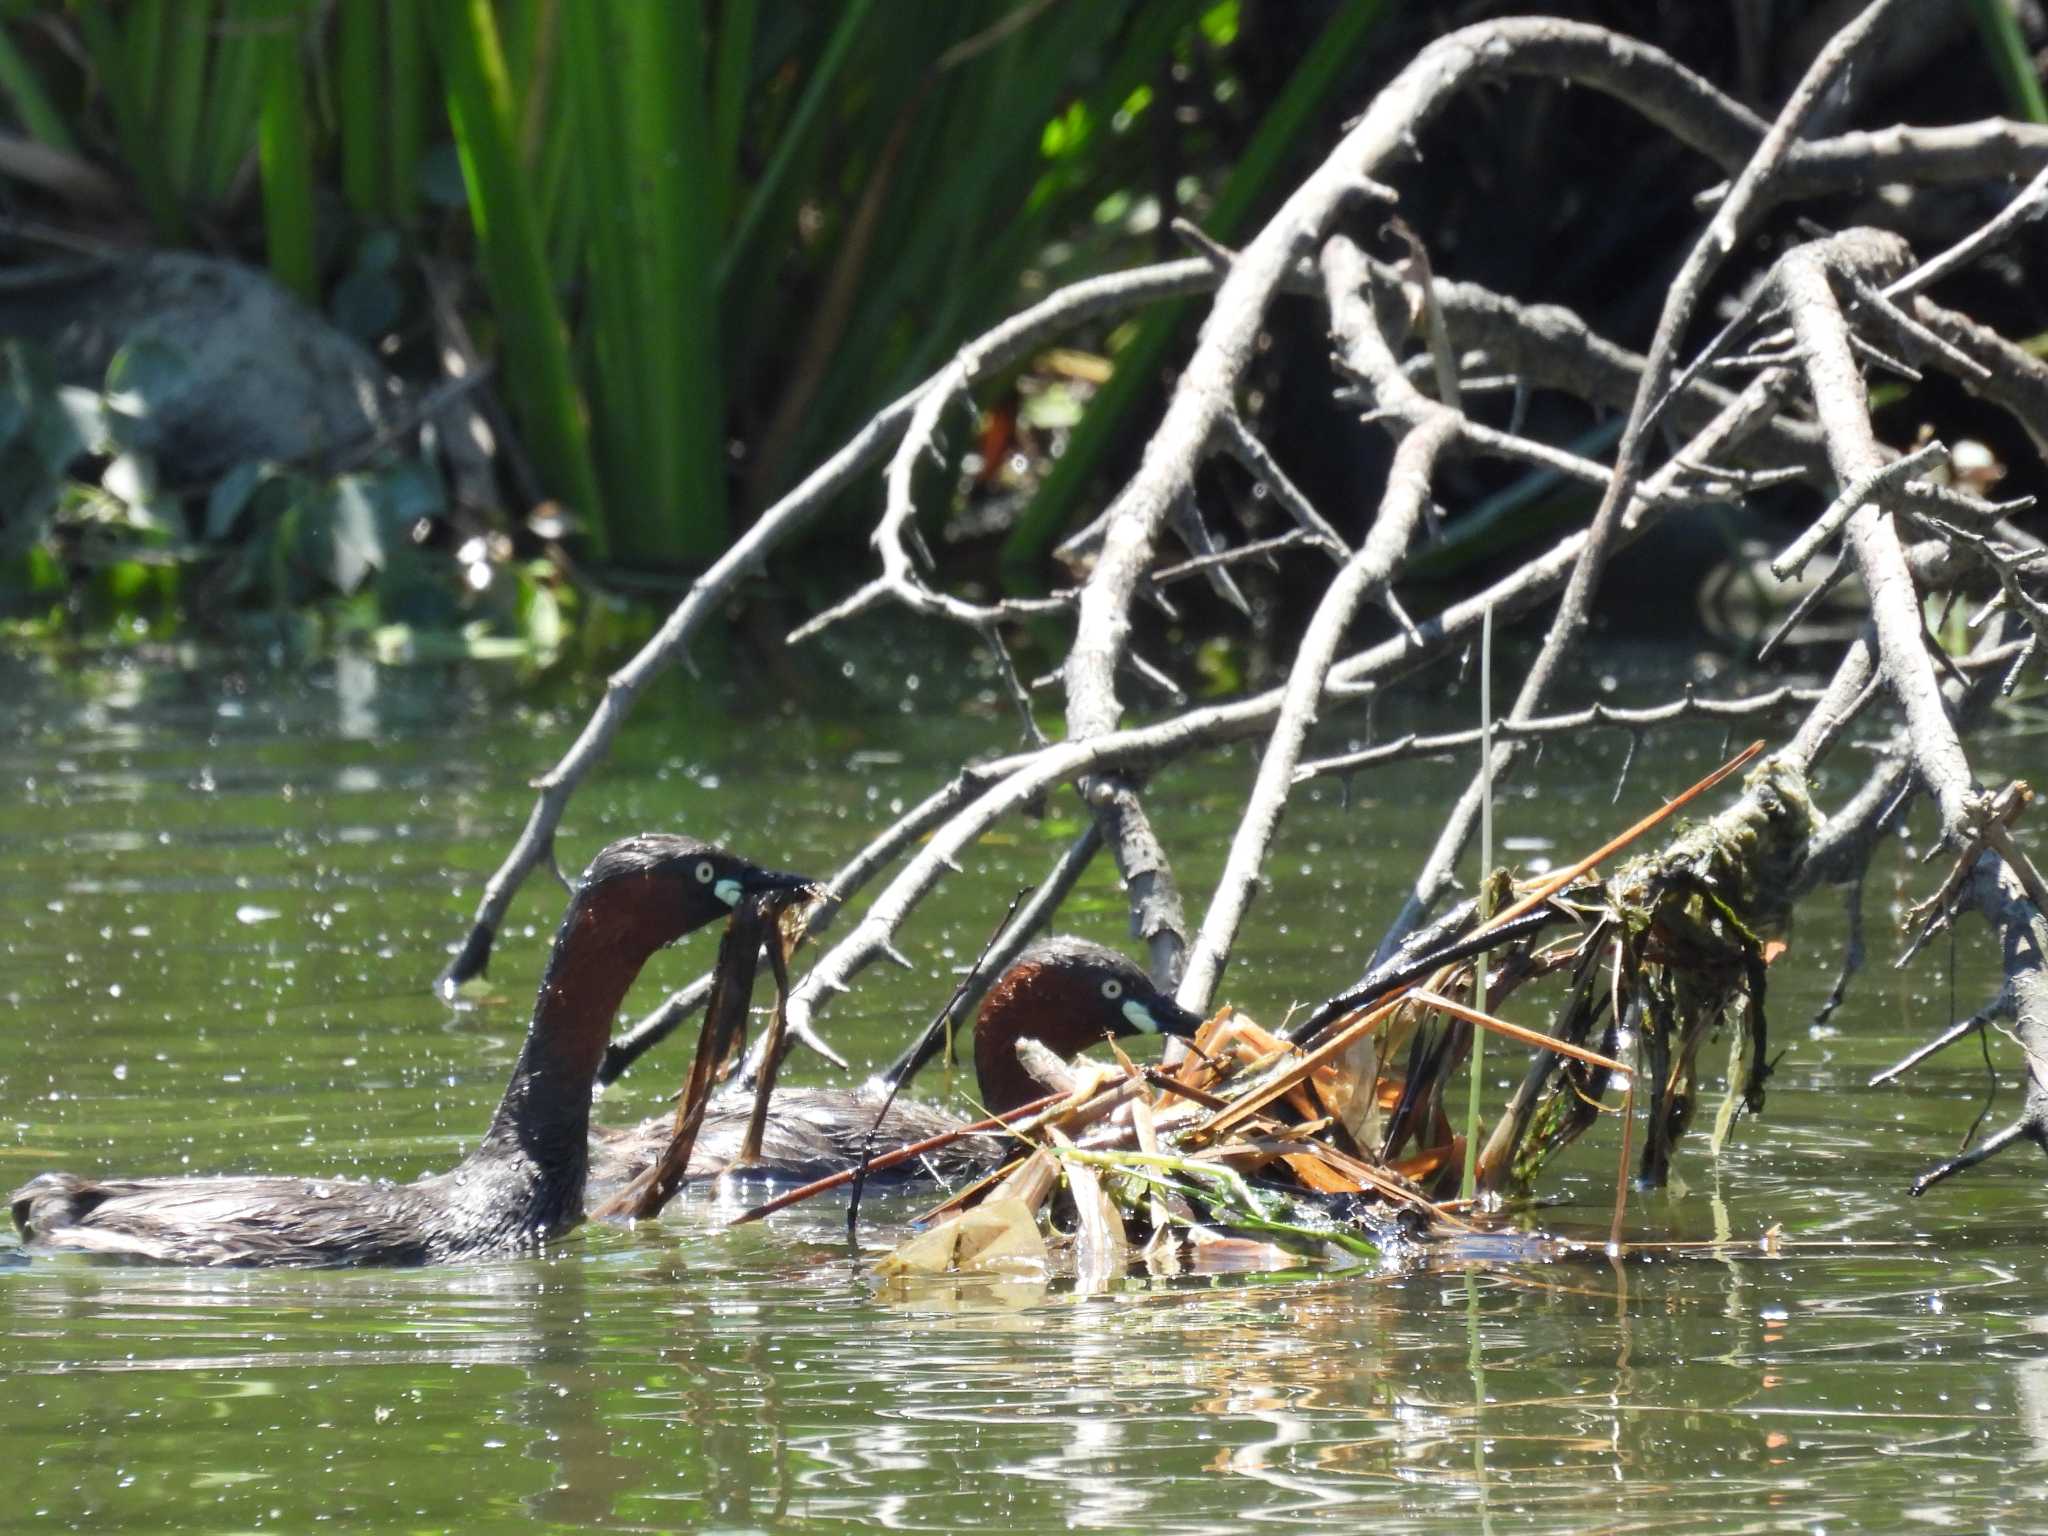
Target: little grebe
[
  {"x": 1065, "y": 993},
  {"x": 524, "y": 1182}
]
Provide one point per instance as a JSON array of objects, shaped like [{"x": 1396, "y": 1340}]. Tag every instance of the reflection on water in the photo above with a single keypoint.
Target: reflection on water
[{"x": 221, "y": 911}]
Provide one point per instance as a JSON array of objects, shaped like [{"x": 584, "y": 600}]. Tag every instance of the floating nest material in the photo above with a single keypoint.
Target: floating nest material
[{"x": 1332, "y": 1143}]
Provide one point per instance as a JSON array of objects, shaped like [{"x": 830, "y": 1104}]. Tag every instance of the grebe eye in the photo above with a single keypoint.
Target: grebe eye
[
  {"x": 1112, "y": 989},
  {"x": 705, "y": 872}
]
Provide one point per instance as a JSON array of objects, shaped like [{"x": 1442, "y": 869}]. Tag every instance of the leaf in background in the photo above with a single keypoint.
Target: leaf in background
[
  {"x": 407, "y": 494},
  {"x": 540, "y": 611},
  {"x": 230, "y": 494},
  {"x": 355, "y": 546},
  {"x": 368, "y": 303},
  {"x": 82, "y": 417},
  {"x": 145, "y": 379},
  {"x": 54, "y": 436},
  {"x": 131, "y": 478}
]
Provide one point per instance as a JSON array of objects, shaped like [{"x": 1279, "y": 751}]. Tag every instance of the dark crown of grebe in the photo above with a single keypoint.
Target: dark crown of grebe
[{"x": 712, "y": 880}]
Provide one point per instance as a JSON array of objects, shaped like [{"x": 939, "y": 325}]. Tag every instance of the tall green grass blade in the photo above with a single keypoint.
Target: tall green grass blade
[
  {"x": 188, "y": 38},
  {"x": 969, "y": 190},
  {"x": 285, "y": 152},
  {"x": 142, "y": 46},
  {"x": 407, "y": 70},
  {"x": 659, "y": 42},
  {"x": 236, "y": 98},
  {"x": 731, "y": 87},
  {"x": 634, "y": 72},
  {"x": 530, "y": 30},
  {"x": 519, "y": 29},
  {"x": 611, "y": 339},
  {"x": 137, "y": 137},
  {"x": 1137, "y": 366},
  {"x": 678, "y": 502},
  {"x": 974, "y": 117},
  {"x": 534, "y": 347},
  {"x": 2010, "y": 59},
  {"x": 32, "y": 106},
  {"x": 837, "y": 150},
  {"x": 795, "y": 139},
  {"x": 563, "y": 182},
  {"x": 360, "y": 65},
  {"x": 999, "y": 103}
]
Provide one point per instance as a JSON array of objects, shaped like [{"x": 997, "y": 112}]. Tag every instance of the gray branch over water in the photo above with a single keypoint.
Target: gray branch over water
[
  {"x": 1737, "y": 212},
  {"x": 1368, "y": 573},
  {"x": 1015, "y": 338}
]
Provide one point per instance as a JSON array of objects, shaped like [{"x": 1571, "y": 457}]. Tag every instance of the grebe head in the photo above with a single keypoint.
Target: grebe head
[
  {"x": 639, "y": 895},
  {"x": 1066, "y": 994},
  {"x": 678, "y": 883}
]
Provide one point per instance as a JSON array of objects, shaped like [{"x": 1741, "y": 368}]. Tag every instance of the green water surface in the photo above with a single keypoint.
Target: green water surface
[{"x": 224, "y": 892}]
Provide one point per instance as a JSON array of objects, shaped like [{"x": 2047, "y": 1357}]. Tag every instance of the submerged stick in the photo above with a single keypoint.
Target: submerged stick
[
  {"x": 940, "y": 1029},
  {"x": 899, "y": 1155},
  {"x": 782, "y": 943}
]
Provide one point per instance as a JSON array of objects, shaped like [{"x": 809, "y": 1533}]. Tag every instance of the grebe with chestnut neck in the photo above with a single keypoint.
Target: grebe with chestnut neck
[
  {"x": 524, "y": 1183},
  {"x": 1065, "y": 993}
]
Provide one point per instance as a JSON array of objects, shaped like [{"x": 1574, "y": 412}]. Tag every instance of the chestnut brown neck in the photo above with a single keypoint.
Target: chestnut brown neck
[
  {"x": 1061, "y": 1012},
  {"x": 607, "y": 935}
]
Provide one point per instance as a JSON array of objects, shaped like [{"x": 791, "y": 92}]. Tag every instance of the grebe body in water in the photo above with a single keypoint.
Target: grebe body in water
[{"x": 524, "y": 1183}]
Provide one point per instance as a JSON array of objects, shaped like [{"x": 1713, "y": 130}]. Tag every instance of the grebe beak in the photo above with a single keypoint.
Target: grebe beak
[
  {"x": 732, "y": 890},
  {"x": 1161, "y": 1016},
  {"x": 757, "y": 882}
]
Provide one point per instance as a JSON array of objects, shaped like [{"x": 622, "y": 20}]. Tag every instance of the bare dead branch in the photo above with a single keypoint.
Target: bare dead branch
[
  {"x": 1785, "y": 702},
  {"x": 1014, "y": 338},
  {"x": 1836, "y": 385},
  {"x": 1367, "y": 573},
  {"x": 1844, "y": 506},
  {"x": 1986, "y": 237},
  {"x": 1743, "y": 204}
]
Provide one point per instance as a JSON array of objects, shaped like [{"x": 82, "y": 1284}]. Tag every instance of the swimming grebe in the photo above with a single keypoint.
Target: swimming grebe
[
  {"x": 1065, "y": 993},
  {"x": 524, "y": 1182}
]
